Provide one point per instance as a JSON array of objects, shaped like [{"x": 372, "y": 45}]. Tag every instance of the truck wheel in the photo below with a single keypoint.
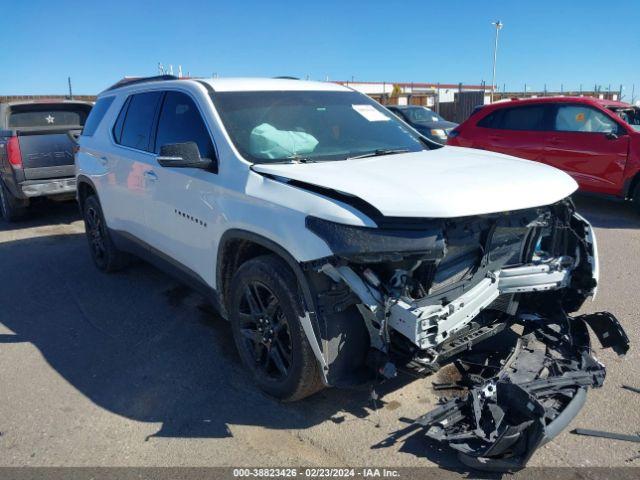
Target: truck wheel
[
  {"x": 12, "y": 208},
  {"x": 104, "y": 253},
  {"x": 265, "y": 309}
]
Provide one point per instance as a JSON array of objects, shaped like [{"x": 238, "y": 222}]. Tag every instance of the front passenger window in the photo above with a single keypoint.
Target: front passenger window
[
  {"x": 180, "y": 121},
  {"x": 578, "y": 118}
]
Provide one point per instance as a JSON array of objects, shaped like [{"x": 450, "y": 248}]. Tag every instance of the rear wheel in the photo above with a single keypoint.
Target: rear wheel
[
  {"x": 104, "y": 253},
  {"x": 265, "y": 310},
  {"x": 12, "y": 208}
]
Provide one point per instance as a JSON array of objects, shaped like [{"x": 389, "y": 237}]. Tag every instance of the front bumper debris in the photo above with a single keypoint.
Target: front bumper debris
[{"x": 539, "y": 388}]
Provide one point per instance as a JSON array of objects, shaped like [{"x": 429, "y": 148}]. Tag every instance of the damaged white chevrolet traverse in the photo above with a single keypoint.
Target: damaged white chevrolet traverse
[{"x": 343, "y": 247}]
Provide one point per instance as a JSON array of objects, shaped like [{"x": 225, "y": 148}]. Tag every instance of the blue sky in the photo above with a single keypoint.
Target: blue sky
[{"x": 98, "y": 42}]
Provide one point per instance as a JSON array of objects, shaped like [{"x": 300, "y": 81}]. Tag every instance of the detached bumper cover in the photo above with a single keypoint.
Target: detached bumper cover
[
  {"x": 44, "y": 188},
  {"x": 504, "y": 418}
]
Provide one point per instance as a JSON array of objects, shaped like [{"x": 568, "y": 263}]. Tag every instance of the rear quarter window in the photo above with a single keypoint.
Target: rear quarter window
[
  {"x": 491, "y": 121},
  {"x": 96, "y": 116}
]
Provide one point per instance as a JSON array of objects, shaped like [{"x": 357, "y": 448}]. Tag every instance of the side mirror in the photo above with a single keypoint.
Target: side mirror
[
  {"x": 182, "y": 155},
  {"x": 611, "y": 135}
]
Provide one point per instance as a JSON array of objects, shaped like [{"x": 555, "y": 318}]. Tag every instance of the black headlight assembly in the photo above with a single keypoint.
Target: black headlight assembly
[{"x": 369, "y": 245}]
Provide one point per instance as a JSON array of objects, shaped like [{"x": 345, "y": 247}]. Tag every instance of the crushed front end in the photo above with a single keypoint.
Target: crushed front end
[{"x": 430, "y": 291}]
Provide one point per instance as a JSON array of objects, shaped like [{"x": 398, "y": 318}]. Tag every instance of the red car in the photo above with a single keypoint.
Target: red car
[{"x": 597, "y": 142}]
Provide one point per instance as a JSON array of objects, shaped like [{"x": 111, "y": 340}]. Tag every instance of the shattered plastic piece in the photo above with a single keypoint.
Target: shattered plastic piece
[
  {"x": 609, "y": 435},
  {"x": 500, "y": 422},
  {"x": 608, "y": 330},
  {"x": 630, "y": 388}
]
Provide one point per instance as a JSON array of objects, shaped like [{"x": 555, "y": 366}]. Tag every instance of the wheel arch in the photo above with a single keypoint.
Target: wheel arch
[
  {"x": 84, "y": 188},
  {"x": 237, "y": 246},
  {"x": 631, "y": 186}
]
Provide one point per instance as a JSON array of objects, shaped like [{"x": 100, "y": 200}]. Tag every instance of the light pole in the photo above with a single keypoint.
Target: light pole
[{"x": 498, "y": 26}]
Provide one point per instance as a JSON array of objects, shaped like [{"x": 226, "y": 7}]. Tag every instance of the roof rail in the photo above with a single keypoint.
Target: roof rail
[
  {"x": 126, "y": 81},
  {"x": 286, "y": 77}
]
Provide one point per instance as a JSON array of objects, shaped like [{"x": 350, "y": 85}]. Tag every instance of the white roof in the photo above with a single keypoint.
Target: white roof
[{"x": 269, "y": 84}]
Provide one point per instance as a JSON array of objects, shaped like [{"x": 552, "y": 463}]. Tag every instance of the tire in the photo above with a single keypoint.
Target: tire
[
  {"x": 12, "y": 208},
  {"x": 104, "y": 253},
  {"x": 636, "y": 198},
  {"x": 271, "y": 341}
]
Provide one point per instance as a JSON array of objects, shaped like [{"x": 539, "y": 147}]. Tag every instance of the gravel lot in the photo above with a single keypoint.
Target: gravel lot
[{"x": 131, "y": 370}]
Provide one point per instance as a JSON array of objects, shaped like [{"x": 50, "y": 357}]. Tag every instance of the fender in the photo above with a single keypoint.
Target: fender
[{"x": 309, "y": 321}]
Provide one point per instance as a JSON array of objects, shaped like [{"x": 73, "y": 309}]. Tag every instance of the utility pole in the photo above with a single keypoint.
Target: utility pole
[
  {"x": 70, "y": 91},
  {"x": 498, "y": 26}
]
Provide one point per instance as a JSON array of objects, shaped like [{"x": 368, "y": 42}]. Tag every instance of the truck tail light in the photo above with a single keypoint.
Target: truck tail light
[{"x": 13, "y": 152}]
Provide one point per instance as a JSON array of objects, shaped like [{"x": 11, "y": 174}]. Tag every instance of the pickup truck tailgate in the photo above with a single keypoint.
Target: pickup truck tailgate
[
  {"x": 42, "y": 129},
  {"x": 46, "y": 154}
]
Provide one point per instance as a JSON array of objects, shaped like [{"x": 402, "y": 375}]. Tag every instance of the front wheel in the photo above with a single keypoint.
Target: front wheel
[{"x": 265, "y": 310}]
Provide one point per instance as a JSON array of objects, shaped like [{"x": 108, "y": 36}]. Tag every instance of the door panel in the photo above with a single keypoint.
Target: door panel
[
  {"x": 126, "y": 185},
  {"x": 590, "y": 146},
  {"x": 179, "y": 211},
  {"x": 182, "y": 218},
  {"x": 520, "y": 131},
  {"x": 593, "y": 160},
  {"x": 126, "y": 182},
  {"x": 527, "y": 145}
]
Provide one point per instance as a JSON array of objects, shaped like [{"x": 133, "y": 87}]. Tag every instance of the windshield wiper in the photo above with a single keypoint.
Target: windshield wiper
[
  {"x": 379, "y": 152},
  {"x": 292, "y": 159}
]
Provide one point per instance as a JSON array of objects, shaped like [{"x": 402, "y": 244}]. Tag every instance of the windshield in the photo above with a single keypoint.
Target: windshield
[
  {"x": 629, "y": 115},
  {"x": 269, "y": 127},
  {"x": 421, "y": 115}
]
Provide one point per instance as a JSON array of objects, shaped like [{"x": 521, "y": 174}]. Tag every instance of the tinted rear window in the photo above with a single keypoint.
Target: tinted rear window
[
  {"x": 96, "y": 115},
  {"x": 492, "y": 120},
  {"x": 136, "y": 131},
  {"x": 523, "y": 118},
  {"x": 48, "y": 115},
  {"x": 530, "y": 117}
]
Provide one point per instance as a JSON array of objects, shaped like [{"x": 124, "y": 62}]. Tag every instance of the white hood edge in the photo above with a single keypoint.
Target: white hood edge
[{"x": 444, "y": 183}]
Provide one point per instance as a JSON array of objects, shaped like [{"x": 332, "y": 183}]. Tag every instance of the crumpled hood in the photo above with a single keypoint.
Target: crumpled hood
[{"x": 443, "y": 183}]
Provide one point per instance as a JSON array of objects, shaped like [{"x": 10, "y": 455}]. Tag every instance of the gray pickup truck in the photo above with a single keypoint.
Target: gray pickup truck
[{"x": 36, "y": 151}]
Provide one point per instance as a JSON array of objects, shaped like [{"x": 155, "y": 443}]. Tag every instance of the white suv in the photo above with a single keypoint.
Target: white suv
[{"x": 338, "y": 242}]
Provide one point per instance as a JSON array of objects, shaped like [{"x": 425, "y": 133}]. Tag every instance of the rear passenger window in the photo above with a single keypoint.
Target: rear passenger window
[
  {"x": 531, "y": 117},
  {"x": 180, "y": 121},
  {"x": 95, "y": 117},
  {"x": 136, "y": 130},
  {"x": 523, "y": 118}
]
